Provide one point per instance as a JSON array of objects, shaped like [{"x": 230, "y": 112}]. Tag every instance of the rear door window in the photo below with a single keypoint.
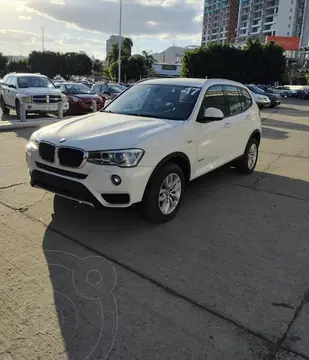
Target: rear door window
[
  {"x": 246, "y": 100},
  {"x": 234, "y": 100},
  {"x": 215, "y": 98},
  {"x": 96, "y": 88}
]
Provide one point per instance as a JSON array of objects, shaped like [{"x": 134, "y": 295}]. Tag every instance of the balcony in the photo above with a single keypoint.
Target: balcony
[{"x": 255, "y": 31}]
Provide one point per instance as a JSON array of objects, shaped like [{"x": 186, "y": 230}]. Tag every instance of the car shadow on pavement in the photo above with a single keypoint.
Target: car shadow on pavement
[
  {"x": 295, "y": 112},
  {"x": 286, "y": 124},
  {"x": 223, "y": 231},
  {"x": 274, "y": 134}
]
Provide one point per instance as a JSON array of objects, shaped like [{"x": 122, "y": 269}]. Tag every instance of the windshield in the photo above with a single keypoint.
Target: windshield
[
  {"x": 78, "y": 89},
  {"x": 34, "y": 82},
  {"x": 117, "y": 88},
  {"x": 256, "y": 89},
  {"x": 171, "y": 102}
]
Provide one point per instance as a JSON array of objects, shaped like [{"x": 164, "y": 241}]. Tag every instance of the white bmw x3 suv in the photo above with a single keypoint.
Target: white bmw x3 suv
[{"x": 147, "y": 144}]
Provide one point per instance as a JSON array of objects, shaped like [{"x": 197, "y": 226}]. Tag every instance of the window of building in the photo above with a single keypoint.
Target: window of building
[{"x": 169, "y": 67}]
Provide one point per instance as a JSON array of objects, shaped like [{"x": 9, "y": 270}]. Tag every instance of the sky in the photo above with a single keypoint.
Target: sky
[{"x": 85, "y": 25}]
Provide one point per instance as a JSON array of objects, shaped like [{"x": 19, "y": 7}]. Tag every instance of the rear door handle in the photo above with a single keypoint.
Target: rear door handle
[{"x": 226, "y": 125}]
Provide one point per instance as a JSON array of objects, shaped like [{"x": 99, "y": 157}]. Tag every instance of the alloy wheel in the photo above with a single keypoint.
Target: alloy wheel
[{"x": 169, "y": 194}]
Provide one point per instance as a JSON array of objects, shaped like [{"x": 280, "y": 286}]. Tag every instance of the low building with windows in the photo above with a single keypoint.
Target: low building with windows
[{"x": 167, "y": 70}]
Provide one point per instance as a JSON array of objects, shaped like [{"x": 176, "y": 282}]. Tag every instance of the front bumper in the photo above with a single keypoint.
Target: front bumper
[
  {"x": 80, "y": 108},
  {"x": 90, "y": 184},
  {"x": 33, "y": 107},
  {"x": 275, "y": 102},
  {"x": 263, "y": 104}
]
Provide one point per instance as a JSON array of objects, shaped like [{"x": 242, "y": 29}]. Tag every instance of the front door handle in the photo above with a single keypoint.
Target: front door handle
[
  {"x": 227, "y": 125},
  {"x": 248, "y": 116}
]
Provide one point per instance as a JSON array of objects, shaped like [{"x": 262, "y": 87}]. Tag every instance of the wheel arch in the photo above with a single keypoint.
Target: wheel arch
[
  {"x": 256, "y": 135},
  {"x": 179, "y": 158}
]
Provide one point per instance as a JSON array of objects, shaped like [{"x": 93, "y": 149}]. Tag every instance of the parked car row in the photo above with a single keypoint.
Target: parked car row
[
  {"x": 264, "y": 98},
  {"x": 37, "y": 92},
  {"x": 40, "y": 95},
  {"x": 300, "y": 92}
]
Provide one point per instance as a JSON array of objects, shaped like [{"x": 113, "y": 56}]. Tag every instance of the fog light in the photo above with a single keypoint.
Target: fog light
[{"x": 116, "y": 180}]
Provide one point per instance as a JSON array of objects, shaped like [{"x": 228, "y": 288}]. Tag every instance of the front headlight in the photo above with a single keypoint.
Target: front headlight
[
  {"x": 75, "y": 99},
  {"x": 64, "y": 98},
  {"x": 33, "y": 144},
  {"x": 121, "y": 158},
  {"x": 26, "y": 99}
]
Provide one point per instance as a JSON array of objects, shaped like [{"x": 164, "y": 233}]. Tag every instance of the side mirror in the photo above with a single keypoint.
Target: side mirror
[
  {"x": 12, "y": 86},
  {"x": 213, "y": 114}
]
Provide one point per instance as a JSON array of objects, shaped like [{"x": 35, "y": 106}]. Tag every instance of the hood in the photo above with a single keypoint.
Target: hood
[
  {"x": 39, "y": 91},
  {"x": 273, "y": 95},
  {"x": 85, "y": 96},
  {"x": 256, "y": 96},
  {"x": 103, "y": 131}
]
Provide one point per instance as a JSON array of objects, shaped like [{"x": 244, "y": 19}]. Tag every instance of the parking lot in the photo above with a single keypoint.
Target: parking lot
[{"x": 227, "y": 279}]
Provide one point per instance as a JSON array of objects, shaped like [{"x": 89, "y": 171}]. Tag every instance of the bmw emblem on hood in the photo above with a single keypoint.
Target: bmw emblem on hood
[{"x": 62, "y": 140}]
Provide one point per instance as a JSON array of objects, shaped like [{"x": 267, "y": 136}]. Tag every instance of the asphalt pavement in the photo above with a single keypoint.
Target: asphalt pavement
[{"x": 226, "y": 279}]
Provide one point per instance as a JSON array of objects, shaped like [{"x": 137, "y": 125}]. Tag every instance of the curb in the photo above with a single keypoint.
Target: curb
[{"x": 13, "y": 125}]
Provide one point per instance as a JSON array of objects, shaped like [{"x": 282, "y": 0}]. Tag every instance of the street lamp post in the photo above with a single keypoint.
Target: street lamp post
[{"x": 120, "y": 42}]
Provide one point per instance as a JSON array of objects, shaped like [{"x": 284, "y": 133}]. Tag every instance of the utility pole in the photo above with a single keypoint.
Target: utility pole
[
  {"x": 120, "y": 42},
  {"x": 42, "y": 28}
]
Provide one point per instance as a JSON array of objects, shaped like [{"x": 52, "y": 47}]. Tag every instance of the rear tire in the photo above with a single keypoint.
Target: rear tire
[
  {"x": 163, "y": 194},
  {"x": 4, "y": 109},
  {"x": 246, "y": 164}
]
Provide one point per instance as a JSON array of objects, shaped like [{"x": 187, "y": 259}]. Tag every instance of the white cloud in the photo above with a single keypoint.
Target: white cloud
[
  {"x": 171, "y": 16},
  {"x": 21, "y": 17},
  {"x": 75, "y": 25}
]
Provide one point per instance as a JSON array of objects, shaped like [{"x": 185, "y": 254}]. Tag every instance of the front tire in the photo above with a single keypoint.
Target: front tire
[
  {"x": 4, "y": 109},
  {"x": 246, "y": 164},
  {"x": 163, "y": 194}
]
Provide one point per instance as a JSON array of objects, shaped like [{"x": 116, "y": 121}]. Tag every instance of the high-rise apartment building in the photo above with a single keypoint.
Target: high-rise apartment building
[
  {"x": 237, "y": 20},
  {"x": 113, "y": 39},
  {"x": 259, "y": 18},
  {"x": 220, "y": 21}
]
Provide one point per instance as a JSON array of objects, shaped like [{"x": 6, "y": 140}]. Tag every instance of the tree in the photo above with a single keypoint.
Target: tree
[
  {"x": 113, "y": 55},
  {"x": 48, "y": 63},
  {"x": 18, "y": 66},
  {"x": 150, "y": 60},
  {"x": 54, "y": 63},
  {"x": 134, "y": 68},
  {"x": 127, "y": 45},
  {"x": 97, "y": 66},
  {"x": 3, "y": 63},
  {"x": 255, "y": 63}
]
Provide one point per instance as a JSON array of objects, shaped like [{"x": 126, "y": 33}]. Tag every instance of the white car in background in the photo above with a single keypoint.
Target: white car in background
[
  {"x": 148, "y": 144},
  {"x": 37, "y": 92},
  {"x": 262, "y": 101}
]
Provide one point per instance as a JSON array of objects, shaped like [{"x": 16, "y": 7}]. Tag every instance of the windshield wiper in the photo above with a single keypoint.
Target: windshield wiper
[{"x": 144, "y": 115}]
